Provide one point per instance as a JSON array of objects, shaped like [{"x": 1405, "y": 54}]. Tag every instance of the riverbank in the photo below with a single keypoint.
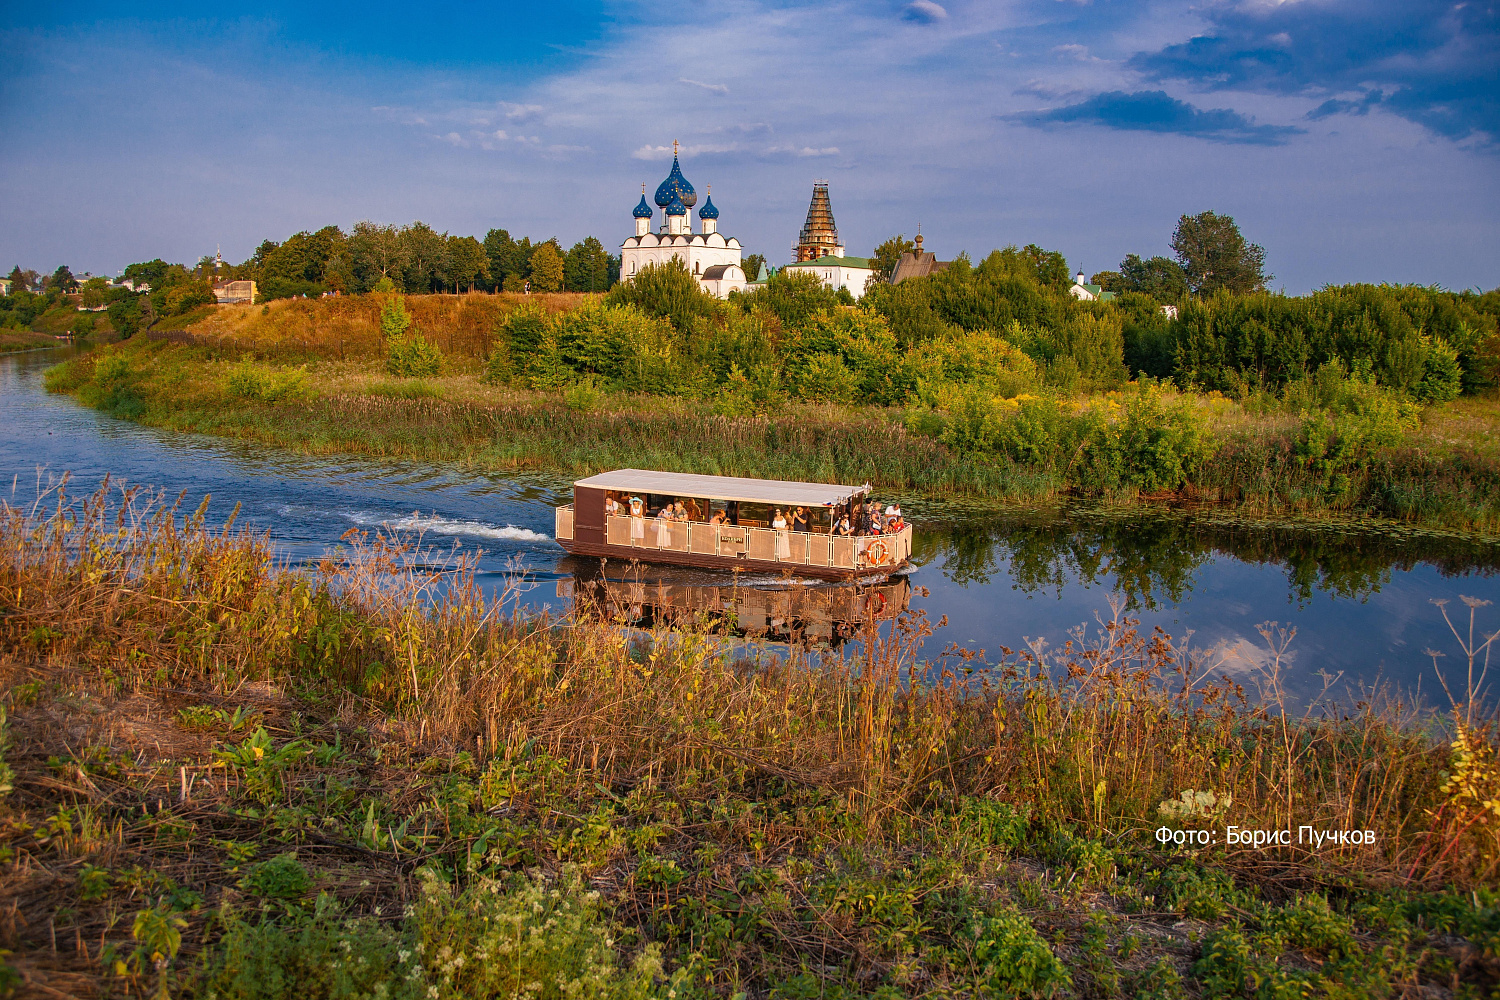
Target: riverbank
[
  {"x": 249, "y": 781},
  {"x": 1440, "y": 470},
  {"x": 25, "y": 340}
]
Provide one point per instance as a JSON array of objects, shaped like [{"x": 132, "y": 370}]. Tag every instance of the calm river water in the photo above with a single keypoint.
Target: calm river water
[{"x": 1360, "y": 600}]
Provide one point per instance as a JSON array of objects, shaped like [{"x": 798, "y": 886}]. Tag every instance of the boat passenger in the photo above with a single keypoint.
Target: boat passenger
[
  {"x": 637, "y": 521},
  {"x": 611, "y": 506},
  {"x": 783, "y": 541},
  {"x": 799, "y": 519},
  {"x": 679, "y": 511},
  {"x": 664, "y": 527},
  {"x": 843, "y": 527}
]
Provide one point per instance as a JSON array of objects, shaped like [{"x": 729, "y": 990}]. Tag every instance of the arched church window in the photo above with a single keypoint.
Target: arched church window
[{"x": 695, "y": 267}]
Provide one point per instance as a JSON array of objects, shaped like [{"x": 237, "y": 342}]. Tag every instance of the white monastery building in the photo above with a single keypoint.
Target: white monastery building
[{"x": 714, "y": 260}]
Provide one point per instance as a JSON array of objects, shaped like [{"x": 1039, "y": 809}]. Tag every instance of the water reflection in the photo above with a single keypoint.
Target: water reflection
[
  {"x": 809, "y": 615},
  {"x": 1156, "y": 558}
]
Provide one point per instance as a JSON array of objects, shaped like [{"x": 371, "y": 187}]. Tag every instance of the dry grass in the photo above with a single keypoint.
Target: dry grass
[
  {"x": 408, "y": 719},
  {"x": 349, "y": 326},
  {"x": 1096, "y": 733}
]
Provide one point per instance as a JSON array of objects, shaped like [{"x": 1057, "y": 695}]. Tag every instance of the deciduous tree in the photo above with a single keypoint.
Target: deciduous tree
[
  {"x": 887, "y": 254},
  {"x": 1160, "y": 277},
  {"x": 1215, "y": 257},
  {"x": 546, "y": 270},
  {"x": 376, "y": 252},
  {"x": 586, "y": 267},
  {"x": 752, "y": 264}
]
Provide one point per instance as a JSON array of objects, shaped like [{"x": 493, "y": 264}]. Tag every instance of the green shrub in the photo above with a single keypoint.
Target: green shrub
[
  {"x": 1309, "y": 923},
  {"x": 413, "y": 357},
  {"x": 1155, "y": 446},
  {"x": 826, "y": 379},
  {"x": 1234, "y": 964},
  {"x": 112, "y": 387},
  {"x": 498, "y": 369},
  {"x": 1013, "y": 959},
  {"x": 545, "y": 943},
  {"x": 582, "y": 396},
  {"x": 1442, "y": 376},
  {"x": 317, "y": 956},
  {"x": 282, "y": 877},
  {"x": 247, "y": 380},
  {"x": 667, "y": 291},
  {"x": 995, "y": 824},
  {"x": 394, "y": 319}
]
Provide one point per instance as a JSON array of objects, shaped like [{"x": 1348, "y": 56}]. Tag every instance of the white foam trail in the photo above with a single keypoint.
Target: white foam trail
[{"x": 438, "y": 525}]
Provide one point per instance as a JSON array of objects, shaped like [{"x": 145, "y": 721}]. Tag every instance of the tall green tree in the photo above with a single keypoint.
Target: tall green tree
[
  {"x": 887, "y": 255},
  {"x": 153, "y": 272},
  {"x": 586, "y": 267},
  {"x": 21, "y": 281},
  {"x": 376, "y": 252},
  {"x": 499, "y": 250},
  {"x": 1160, "y": 277},
  {"x": 1215, "y": 257},
  {"x": 424, "y": 247},
  {"x": 62, "y": 280},
  {"x": 546, "y": 268},
  {"x": 465, "y": 263}
]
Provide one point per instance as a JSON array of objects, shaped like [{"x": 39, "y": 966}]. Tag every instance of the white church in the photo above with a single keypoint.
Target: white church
[{"x": 707, "y": 254}]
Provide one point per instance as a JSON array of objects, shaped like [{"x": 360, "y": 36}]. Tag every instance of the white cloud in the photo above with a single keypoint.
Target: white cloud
[
  {"x": 925, "y": 11},
  {"x": 717, "y": 88},
  {"x": 690, "y": 149}
]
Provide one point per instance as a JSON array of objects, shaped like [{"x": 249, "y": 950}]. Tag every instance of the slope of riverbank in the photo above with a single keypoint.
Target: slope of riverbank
[
  {"x": 249, "y": 781},
  {"x": 1441, "y": 470}
]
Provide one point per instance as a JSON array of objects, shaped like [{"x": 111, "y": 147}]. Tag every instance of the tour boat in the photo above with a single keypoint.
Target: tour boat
[{"x": 745, "y": 540}]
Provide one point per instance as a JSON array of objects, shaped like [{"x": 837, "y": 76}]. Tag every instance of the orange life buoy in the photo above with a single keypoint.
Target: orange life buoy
[
  {"x": 875, "y": 603},
  {"x": 876, "y": 546}
]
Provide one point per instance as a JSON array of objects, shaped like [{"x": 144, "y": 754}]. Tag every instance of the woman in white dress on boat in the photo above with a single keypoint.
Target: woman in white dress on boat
[
  {"x": 783, "y": 539},
  {"x": 637, "y": 521},
  {"x": 664, "y": 527}
]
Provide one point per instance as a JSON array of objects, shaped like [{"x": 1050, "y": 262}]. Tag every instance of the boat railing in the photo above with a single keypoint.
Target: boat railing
[{"x": 805, "y": 548}]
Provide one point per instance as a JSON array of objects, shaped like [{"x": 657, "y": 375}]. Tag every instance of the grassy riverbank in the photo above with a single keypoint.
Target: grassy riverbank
[
  {"x": 25, "y": 340},
  {"x": 1362, "y": 453},
  {"x": 223, "y": 778}
]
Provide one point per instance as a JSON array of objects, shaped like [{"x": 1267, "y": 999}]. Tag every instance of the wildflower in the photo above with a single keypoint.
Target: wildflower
[{"x": 403, "y": 954}]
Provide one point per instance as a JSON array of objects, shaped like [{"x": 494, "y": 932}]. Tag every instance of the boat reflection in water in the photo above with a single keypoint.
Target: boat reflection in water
[{"x": 791, "y": 611}]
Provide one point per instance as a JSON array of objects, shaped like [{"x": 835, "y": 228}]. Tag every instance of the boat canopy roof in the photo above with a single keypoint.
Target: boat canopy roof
[{"x": 684, "y": 484}]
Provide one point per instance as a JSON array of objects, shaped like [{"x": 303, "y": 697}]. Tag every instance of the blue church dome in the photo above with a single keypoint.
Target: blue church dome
[
  {"x": 643, "y": 210},
  {"x": 675, "y": 206},
  {"x": 676, "y": 185},
  {"x": 708, "y": 211}
]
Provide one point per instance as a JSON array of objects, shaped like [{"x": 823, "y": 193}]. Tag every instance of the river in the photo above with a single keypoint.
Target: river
[{"x": 1359, "y": 597}]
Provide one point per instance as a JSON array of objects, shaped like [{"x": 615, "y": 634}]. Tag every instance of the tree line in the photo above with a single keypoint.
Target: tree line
[{"x": 419, "y": 260}]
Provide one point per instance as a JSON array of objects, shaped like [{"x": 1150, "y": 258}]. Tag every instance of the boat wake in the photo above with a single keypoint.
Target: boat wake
[{"x": 436, "y": 524}]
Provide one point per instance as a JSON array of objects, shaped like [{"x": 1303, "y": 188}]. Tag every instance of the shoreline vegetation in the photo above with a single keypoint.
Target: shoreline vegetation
[
  {"x": 224, "y": 776},
  {"x": 783, "y": 384}
]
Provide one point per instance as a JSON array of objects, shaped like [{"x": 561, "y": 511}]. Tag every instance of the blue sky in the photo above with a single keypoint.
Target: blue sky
[{"x": 1356, "y": 141}]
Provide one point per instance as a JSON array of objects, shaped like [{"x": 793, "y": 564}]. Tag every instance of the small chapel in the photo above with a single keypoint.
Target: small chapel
[{"x": 710, "y": 257}]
